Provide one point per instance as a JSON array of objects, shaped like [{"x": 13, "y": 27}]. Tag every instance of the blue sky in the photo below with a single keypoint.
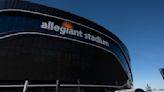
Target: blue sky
[{"x": 138, "y": 23}]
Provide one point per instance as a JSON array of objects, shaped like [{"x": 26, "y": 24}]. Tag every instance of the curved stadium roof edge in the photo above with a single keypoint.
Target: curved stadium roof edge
[{"x": 51, "y": 12}]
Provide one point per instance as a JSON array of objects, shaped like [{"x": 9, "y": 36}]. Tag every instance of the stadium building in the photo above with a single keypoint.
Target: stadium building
[{"x": 43, "y": 49}]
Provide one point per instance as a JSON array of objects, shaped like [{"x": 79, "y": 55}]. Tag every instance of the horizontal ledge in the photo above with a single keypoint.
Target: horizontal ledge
[{"x": 62, "y": 85}]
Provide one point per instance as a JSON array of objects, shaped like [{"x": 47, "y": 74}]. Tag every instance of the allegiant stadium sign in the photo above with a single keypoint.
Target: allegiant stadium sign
[{"x": 49, "y": 25}]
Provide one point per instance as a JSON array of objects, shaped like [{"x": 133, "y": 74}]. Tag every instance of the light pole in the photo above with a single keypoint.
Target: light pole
[{"x": 162, "y": 72}]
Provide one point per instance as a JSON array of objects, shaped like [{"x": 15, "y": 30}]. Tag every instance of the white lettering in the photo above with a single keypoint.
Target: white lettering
[
  {"x": 96, "y": 39},
  {"x": 44, "y": 25},
  {"x": 56, "y": 28},
  {"x": 66, "y": 31}
]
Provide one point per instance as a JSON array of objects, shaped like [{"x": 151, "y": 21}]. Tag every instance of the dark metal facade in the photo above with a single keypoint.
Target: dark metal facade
[{"x": 43, "y": 44}]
